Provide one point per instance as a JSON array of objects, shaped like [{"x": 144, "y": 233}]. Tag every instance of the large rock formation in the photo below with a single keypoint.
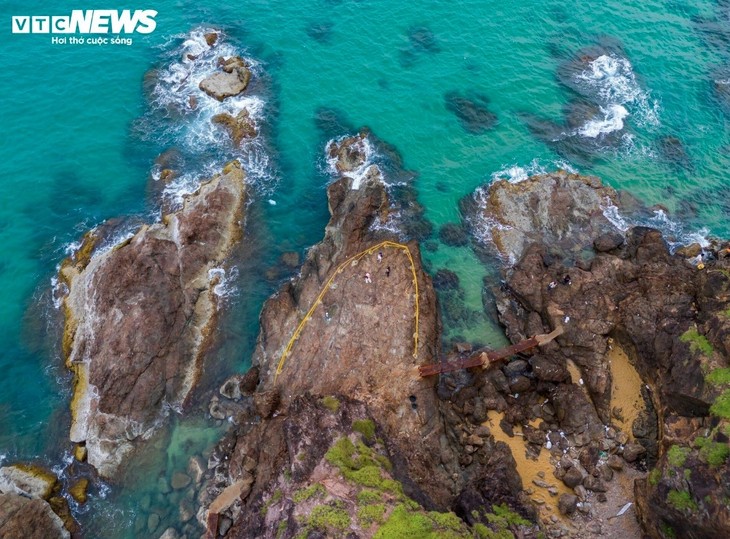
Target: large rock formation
[
  {"x": 670, "y": 316},
  {"x": 138, "y": 316},
  {"x": 341, "y": 435},
  {"x": 31, "y": 504},
  {"x": 564, "y": 211}
]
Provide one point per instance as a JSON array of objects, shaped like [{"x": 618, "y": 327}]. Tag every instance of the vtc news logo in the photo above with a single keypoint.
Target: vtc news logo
[{"x": 90, "y": 21}]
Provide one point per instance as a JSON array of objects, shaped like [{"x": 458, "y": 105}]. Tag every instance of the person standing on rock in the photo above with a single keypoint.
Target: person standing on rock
[{"x": 368, "y": 280}]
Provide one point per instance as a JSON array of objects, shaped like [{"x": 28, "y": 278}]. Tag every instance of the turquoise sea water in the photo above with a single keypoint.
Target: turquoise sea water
[{"x": 80, "y": 137}]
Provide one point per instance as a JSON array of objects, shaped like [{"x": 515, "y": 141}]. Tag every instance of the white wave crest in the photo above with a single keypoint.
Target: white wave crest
[
  {"x": 674, "y": 232},
  {"x": 225, "y": 281},
  {"x": 613, "y": 120},
  {"x": 613, "y": 82},
  {"x": 515, "y": 173},
  {"x": 357, "y": 176}
]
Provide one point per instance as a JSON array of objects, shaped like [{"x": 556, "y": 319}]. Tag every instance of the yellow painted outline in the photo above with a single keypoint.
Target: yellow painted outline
[{"x": 340, "y": 268}]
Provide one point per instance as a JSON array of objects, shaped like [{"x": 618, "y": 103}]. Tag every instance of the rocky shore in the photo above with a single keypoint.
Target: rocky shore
[{"x": 138, "y": 316}]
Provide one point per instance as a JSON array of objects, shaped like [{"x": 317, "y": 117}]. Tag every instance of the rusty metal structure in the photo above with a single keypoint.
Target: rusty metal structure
[{"x": 483, "y": 358}]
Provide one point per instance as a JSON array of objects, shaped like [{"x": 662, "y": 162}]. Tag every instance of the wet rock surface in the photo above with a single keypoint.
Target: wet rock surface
[{"x": 138, "y": 316}]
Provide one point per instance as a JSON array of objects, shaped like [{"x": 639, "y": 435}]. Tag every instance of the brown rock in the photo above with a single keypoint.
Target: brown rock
[
  {"x": 266, "y": 403},
  {"x": 632, "y": 451},
  {"x": 138, "y": 315},
  {"x": 29, "y": 519},
  {"x": 211, "y": 38},
  {"x": 573, "y": 477},
  {"x": 240, "y": 128},
  {"x": 78, "y": 490},
  {"x": 567, "y": 504},
  {"x": 232, "y": 81}
]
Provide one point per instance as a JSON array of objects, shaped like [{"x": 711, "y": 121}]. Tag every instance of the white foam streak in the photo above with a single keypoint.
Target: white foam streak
[
  {"x": 613, "y": 120},
  {"x": 612, "y": 81},
  {"x": 516, "y": 173}
]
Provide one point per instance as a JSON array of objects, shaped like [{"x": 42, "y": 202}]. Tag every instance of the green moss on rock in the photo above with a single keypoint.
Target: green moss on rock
[
  {"x": 677, "y": 455},
  {"x": 329, "y": 518},
  {"x": 331, "y": 403},
  {"x": 721, "y": 406},
  {"x": 681, "y": 500},
  {"x": 304, "y": 494},
  {"x": 366, "y": 427},
  {"x": 371, "y": 514},
  {"x": 697, "y": 342},
  {"x": 719, "y": 376}
]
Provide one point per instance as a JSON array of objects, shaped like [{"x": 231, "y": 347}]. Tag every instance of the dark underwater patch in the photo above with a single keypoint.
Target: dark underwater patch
[{"x": 472, "y": 111}]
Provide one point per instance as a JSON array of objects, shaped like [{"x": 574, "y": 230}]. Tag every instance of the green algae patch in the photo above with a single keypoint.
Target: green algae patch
[
  {"x": 697, "y": 342},
  {"x": 331, "y": 403},
  {"x": 366, "y": 427},
  {"x": 681, "y": 500}
]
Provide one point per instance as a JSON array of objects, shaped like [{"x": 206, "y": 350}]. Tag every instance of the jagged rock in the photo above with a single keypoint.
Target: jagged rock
[
  {"x": 615, "y": 462},
  {"x": 29, "y": 518},
  {"x": 594, "y": 483},
  {"x": 80, "y": 452},
  {"x": 138, "y": 315},
  {"x": 632, "y": 451},
  {"x": 350, "y": 153},
  {"x": 239, "y": 128},
  {"x": 608, "y": 242},
  {"x": 28, "y": 480},
  {"x": 266, "y": 403},
  {"x": 232, "y": 81},
  {"x": 170, "y": 533},
  {"x": 567, "y": 504}
]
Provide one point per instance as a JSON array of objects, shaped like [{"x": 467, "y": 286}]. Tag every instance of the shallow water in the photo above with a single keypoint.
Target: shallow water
[{"x": 81, "y": 138}]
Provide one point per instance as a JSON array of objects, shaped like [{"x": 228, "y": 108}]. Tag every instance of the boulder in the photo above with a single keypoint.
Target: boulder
[
  {"x": 231, "y": 81},
  {"x": 567, "y": 504}
]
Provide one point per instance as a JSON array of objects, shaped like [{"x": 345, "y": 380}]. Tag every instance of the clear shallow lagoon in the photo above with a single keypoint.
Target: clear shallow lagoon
[{"x": 74, "y": 152}]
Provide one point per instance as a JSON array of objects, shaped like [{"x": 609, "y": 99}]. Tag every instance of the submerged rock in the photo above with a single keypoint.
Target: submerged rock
[
  {"x": 138, "y": 316},
  {"x": 472, "y": 110}
]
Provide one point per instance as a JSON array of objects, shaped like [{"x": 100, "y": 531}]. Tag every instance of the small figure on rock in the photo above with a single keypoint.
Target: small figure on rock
[
  {"x": 380, "y": 256},
  {"x": 368, "y": 280},
  {"x": 566, "y": 280},
  {"x": 387, "y": 271},
  {"x": 552, "y": 285}
]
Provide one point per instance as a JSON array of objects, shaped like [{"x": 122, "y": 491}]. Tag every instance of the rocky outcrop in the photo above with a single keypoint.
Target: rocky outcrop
[
  {"x": 31, "y": 504},
  {"x": 341, "y": 435},
  {"x": 230, "y": 81},
  {"x": 564, "y": 212},
  {"x": 239, "y": 128},
  {"x": 138, "y": 316},
  {"x": 30, "y": 518},
  {"x": 667, "y": 313}
]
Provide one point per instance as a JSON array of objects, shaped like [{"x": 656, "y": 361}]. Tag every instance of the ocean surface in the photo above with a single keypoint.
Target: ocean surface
[{"x": 464, "y": 91}]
